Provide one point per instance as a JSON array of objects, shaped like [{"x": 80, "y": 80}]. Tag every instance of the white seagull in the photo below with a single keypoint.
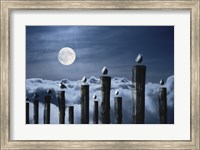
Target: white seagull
[
  {"x": 117, "y": 92},
  {"x": 62, "y": 86},
  {"x": 94, "y": 96},
  {"x": 35, "y": 95},
  {"x": 104, "y": 71},
  {"x": 139, "y": 59},
  {"x": 49, "y": 91},
  {"x": 162, "y": 82},
  {"x": 84, "y": 79}
]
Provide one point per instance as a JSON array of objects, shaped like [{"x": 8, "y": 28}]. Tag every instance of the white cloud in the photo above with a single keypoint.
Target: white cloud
[{"x": 72, "y": 96}]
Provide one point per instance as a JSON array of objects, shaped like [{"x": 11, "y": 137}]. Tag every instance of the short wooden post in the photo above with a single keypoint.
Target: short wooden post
[
  {"x": 71, "y": 114},
  {"x": 138, "y": 80},
  {"x": 105, "y": 103},
  {"x": 36, "y": 110},
  {"x": 27, "y": 111},
  {"x": 118, "y": 109},
  {"x": 61, "y": 105},
  {"x": 96, "y": 113},
  {"x": 163, "y": 105},
  {"x": 85, "y": 104},
  {"x": 47, "y": 101}
]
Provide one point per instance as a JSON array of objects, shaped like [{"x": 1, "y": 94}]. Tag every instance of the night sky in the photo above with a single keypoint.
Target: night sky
[{"x": 115, "y": 47}]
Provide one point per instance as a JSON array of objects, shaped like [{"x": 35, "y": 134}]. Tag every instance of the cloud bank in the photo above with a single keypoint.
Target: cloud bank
[{"x": 72, "y": 96}]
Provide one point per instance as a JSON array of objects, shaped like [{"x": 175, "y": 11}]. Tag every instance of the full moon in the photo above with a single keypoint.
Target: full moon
[{"x": 66, "y": 56}]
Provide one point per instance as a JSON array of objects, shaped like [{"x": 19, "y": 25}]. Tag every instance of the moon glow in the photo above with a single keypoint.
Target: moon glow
[{"x": 66, "y": 56}]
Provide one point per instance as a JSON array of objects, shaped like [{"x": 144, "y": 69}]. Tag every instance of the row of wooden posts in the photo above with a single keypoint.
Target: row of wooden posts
[{"x": 138, "y": 100}]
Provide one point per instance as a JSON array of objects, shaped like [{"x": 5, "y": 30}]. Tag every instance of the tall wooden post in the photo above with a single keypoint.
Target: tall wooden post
[
  {"x": 47, "y": 100},
  {"x": 61, "y": 105},
  {"x": 105, "y": 104},
  {"x": 162, "y": 95},
  {"x": 96, "y": 113},
  {"x": 71, "y": 114},
  {"x": 85, "y": 104},
  {"x": 118, "y": 109},
  {"x": 27, "y": 111},
  {"x": 36, "y": 110},
  {"x": 138, "y": 80}
]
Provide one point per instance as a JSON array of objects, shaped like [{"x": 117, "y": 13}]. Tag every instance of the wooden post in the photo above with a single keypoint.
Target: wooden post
[
  {"x": 71, "y": 114},
  {"x": 162, "y": 95},
  {"x": 27, "y": 111},
  {"x": 105, "y": 104},
  {"x": 36, "y": 110},
  {"x": 118, "y": 109},
  {"x": 138, "y": 80},
  {"x": 96, "y": 113},
  {"x": 47, "y": 100},
  {"x": 85, "y": 104},
  {"x": 61, "y": 105}
]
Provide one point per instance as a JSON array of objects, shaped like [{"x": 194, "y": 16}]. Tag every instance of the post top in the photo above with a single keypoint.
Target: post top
[
  {"x": 139, "y": 66},
  {"x": 105, "y": 77},
  {"x": 118, "y": 98},
  {"x": 162, "y": 88},
  {"x": 84, "y": 85},
  {"x": 62, "y": 91}
]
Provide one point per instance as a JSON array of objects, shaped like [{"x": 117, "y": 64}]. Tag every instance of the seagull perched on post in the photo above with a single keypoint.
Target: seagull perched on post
[
  {"x": 94, "y": 96},
  {"x": 84, "y": 79},
  {"x": 139, "y": 59},
  {"x": 104, "y": 71},
  {"x": 49, "y": 91},
  {"x": 62, "y": 86},
  {"x": 162, "y": 82},
  {"x": 117, "y": 92},
  {"x": 35, "y": 95}
]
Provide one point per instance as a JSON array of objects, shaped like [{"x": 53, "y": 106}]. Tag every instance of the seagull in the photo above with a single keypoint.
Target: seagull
[
  {"x": 49, "y": 91},
  {"x": 104, "y": 71},
  {"x": 62, "y": 86},
  {"x": 94, "y": 96},
  {"x": 84, "y": 79},
  {"x": 116, "y": 92},
  {"x": 162, "y": 82},
  {"x": 139, "y": 59},
  {"x": 35, "y": 95}
]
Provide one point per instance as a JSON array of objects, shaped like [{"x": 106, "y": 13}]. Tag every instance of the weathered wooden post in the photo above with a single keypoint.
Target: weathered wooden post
[
  {"x": 36, "y": 110},
  {"x": 138, "y": 80},
  {"x": 47, "y": 101},
  {"x": 27, "y": 111},
  {"x": 118, "y": 108},
  {"x": 84, "y": 102},
  {"x": 96, "y": 110},
  {"x": 105, "y": 91},
  {"x": 61, "y": 104},
  {"x": 71, "y": 114},
  {"x": 162, "y": 96}
]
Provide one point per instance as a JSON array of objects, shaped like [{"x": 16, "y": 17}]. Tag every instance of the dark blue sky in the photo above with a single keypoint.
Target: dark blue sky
[{"x": 96, "y": 46}]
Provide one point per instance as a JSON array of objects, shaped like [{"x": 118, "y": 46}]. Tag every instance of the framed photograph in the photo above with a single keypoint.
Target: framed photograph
[{"x": 100, "y": 74}]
